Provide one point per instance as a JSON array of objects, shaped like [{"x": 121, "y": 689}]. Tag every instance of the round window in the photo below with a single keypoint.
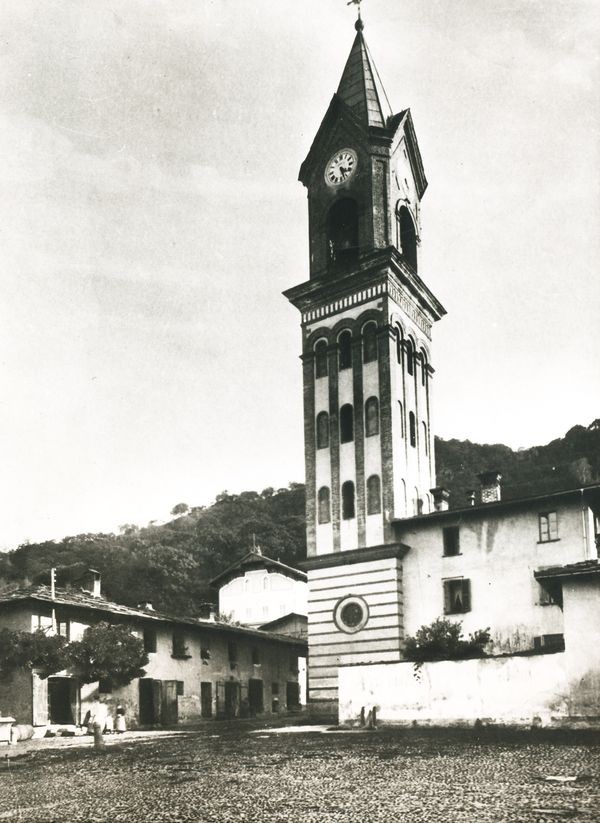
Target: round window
[{"x": 351, "y": 614}]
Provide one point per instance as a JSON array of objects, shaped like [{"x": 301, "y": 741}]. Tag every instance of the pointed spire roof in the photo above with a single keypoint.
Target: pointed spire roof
[{"x": 360, "y": 87}]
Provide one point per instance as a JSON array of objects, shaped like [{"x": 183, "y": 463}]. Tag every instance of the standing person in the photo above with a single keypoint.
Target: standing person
[
  {"x": 120, "y": 725},
  {"x": 98, "y": 715}
]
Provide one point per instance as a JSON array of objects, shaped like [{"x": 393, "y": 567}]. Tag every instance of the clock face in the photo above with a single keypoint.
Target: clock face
[{"x": 341, "y": 167}]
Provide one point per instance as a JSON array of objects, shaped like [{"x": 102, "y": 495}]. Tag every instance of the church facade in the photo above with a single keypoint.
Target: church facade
[{"x": 383, "y": 550}]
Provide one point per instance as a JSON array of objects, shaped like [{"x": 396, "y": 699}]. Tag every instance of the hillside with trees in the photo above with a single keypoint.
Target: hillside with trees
[{"x": 170, "y": 565}]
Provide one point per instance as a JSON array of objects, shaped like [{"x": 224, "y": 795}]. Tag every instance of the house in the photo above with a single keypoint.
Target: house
[
  {"x": 263, "y": 593},
  {"x": 385, "y": 554},
  {"x": 197, "y": 668},
  {"x": 256, "y": 590}
]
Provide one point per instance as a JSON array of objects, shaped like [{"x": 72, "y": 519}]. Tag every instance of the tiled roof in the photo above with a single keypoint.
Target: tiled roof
[
  {"x": 586, "y": 568},
  {"x": 255, "y": 560},
  {"x": 590, "y": 493},
  {"x": 81, "y": 599}
]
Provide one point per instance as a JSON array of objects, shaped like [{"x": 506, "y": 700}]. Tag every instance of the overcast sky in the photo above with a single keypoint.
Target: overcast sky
[{"x": 151, "y": 217}]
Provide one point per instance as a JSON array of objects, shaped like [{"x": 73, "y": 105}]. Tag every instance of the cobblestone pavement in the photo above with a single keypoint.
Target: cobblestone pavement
[{"x": 225, "y": 774}]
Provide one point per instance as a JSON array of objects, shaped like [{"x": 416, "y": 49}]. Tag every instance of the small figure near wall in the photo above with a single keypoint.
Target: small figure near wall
[{"x": 120, "y": 725}]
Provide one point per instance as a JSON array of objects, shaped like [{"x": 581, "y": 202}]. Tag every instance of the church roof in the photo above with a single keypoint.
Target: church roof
[{"x": 360, "y": 87}]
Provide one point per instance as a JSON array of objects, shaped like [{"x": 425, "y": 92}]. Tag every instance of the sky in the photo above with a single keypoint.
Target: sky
[{"x": 151, "y": 217}]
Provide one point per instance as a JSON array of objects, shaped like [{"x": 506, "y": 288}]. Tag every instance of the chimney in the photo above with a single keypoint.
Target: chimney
[
  {"x": 490, "y": 486},
  {"x": 471, "y": 497},
  {"x": 441, "y": 497},
  {"x": 212, "y": 613},
  {"x": 96, "y": 583}
]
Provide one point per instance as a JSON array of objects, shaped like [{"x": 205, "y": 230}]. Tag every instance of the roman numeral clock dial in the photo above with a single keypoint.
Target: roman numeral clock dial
[{"x": 341, "y": 167}]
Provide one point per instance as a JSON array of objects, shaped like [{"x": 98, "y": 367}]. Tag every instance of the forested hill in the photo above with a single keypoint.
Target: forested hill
[{"x": 170, "y": 565}]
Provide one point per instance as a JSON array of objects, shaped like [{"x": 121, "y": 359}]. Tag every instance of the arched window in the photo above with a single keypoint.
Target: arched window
[
  {"x": 324, "y": 509},
  {"x": 412, "y": 429},
  {"x": 342, "y": 232},
  {"x": 407, "y": 236},
  {"x": 417, "y": 503},
  {"x": 321, "y": 359},
  {"x": 345, "y": 350},
  {"x": 370, "y": 343},
  {"x": 346, "y": 424},
  {"x": 374, "y": 494},
  {"x": 409, "y": 349},
  {"x": 423, "y": 367},
  {"x": 425, "y": 438},
  {"x": 348, "y": 500},
  {"x": 322, "y": 430},
  {"x": 399, "y": 344},
  {"x": 371, "y": 416},
  {"x": 401, "y": 413}
]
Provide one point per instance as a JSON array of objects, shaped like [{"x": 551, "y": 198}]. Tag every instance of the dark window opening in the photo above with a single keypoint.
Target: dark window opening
[
  {"x": 399, "y": 344},
  {"x": 457, "y": 596},
  {"x": 105, "y": 685},
  {"x": 412, "y": 428},
  {"x": 324, "y": 509},
  {"x": 371, "y": 417},
  {"x": 179, "y": 647},
  {"x": 423, "y": 368},
  {"x": 321, "y": 358},
  {"x": 370, "y": 343},
  {"x": 374, "y": 495},
  {"x": 346, "y": 424},
  {"x": 255, "y": 656},
  {"x": 548, "y": 527},
  {"x": 180, "y": 688},
  {"x": 407, "y": 236},
  {"x": 322, "y": 430},
  {"x": 63, "y": 628},
  {"x": 451, "y": 537},
  {"x": 342, "y": 232},
  {"x": 348, "y": 500},
  {"x": 275, "y": 697},
  {"x": 149, "y": 639},
  {"x": 550, "y": 594},
  {"x": 410, "y": 356},
  {"x": 549, "y": 643},
  {"x": 345, "y": 350},
  {"x": 204, "y": 653}
]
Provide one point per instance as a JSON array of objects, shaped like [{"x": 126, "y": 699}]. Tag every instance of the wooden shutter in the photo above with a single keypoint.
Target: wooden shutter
[{"x": 466, "y": 595}]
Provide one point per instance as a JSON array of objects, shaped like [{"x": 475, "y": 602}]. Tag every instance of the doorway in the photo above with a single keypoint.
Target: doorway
[
  {"x": 62, "y": 700},
  {"x": 206, "y": 699},
  {"x": 169, "y": 713},
  {"x": 150, "y": 701},
  {"x": 255, "y": 696},
  {"x": 232, "y": 698}
]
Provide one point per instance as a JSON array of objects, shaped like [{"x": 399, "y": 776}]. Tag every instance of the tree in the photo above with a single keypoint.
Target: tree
[
  {"x": 180, "y": 508},
  {"x": 107, "y": 652},
  {"x": 442, "y": 640},
  {"x": 47, "y": 654}
]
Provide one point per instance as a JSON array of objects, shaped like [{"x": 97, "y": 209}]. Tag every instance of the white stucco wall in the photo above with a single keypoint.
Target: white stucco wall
[
  {"x": 260, "y": 596},
  {"x": 499, "y": 553},
  {"x": 511, "y": 690}
]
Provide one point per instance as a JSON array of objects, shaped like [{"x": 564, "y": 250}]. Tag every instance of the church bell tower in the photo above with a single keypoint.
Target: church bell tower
[{"x": 366, "y": 319}]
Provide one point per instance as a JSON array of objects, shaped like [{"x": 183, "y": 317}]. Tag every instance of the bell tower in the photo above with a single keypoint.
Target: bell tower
[{"x": 366, "y": 318}]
